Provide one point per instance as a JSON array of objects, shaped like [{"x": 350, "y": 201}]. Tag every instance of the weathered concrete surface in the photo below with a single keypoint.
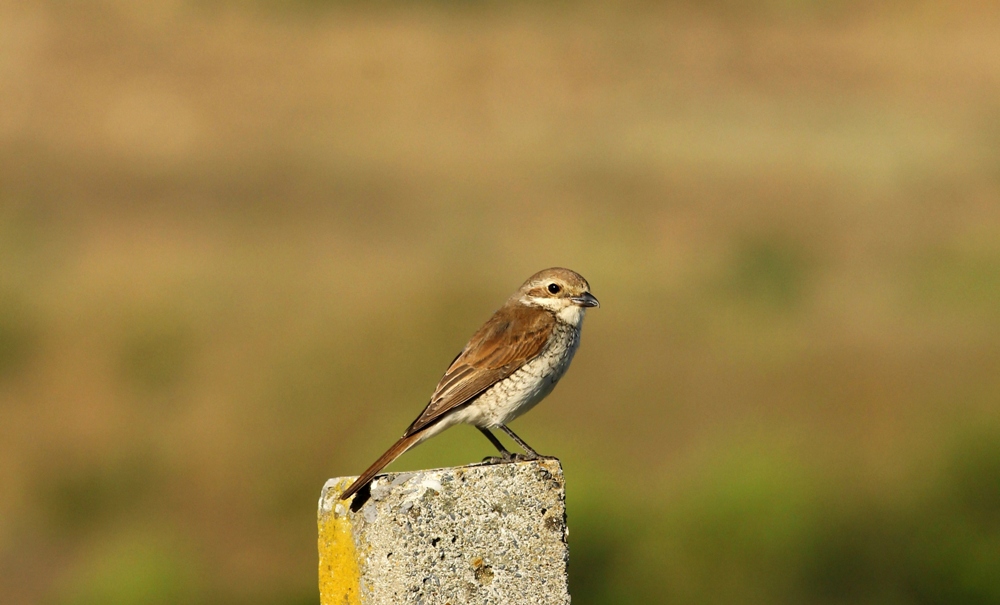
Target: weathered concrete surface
[{"x": 473, "y": 534}]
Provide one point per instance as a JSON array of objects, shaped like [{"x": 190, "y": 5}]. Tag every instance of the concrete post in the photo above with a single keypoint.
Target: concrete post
[{"x": 473, "y": 534}]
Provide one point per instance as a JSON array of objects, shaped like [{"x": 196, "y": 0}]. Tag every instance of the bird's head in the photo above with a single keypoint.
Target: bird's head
[{"x": 563, "y": 292}]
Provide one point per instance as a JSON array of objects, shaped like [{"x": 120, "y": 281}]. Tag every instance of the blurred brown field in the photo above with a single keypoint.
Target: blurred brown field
[{"x": 240, "y": 242}]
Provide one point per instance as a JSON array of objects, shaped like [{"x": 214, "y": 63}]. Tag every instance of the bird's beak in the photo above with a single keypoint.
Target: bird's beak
[{"x": 587, "y": 300}]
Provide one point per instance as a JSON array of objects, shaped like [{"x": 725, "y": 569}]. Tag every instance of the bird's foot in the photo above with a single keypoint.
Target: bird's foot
[
  {"x": 508, "y": 457},
  {"x": 503, "y": 458},
  {"x": 530, "y": 456}
]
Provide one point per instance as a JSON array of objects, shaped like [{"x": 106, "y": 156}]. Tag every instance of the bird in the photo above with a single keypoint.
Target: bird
[{"x": 509, "y": 365}]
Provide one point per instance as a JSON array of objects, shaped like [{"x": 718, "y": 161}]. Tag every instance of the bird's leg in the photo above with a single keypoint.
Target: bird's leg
[
  {"x": 505, "y": 456},
  {"x": 530, "y": 453}
]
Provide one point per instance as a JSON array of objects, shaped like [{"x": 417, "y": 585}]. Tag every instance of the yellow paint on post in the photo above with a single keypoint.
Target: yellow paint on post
[{"x": 339, "y": 574}]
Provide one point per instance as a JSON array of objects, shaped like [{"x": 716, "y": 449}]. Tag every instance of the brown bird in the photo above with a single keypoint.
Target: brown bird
[{"x": 508, "y": 366}]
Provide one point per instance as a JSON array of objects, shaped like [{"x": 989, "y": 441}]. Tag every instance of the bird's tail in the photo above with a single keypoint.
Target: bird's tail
[{"x": 394, "y": 452}]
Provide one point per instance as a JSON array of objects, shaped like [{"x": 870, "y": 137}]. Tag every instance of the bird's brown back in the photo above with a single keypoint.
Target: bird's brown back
[{"x": 515, "y": 334}]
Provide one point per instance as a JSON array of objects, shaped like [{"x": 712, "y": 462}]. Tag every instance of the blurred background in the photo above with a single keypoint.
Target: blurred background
[{"x": 240, "y": 242}]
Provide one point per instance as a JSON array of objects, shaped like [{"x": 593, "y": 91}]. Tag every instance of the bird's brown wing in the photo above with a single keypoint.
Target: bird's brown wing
[{"x": 510, "y": 338}]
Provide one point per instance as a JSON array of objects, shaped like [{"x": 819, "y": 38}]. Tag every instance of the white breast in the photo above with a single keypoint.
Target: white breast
[{"x": 522, "y": 390}]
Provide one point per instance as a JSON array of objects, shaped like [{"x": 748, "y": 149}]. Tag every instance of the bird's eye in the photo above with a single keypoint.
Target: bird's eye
[{"x": 554, "y": 288}]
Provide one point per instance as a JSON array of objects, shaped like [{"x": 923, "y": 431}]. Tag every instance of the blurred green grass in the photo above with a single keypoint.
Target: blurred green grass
[{"x": 239, "y": 244}]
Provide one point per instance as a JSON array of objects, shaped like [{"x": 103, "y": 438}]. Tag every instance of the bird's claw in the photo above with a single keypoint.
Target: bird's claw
[
  {"x": 512, "y": 458},
  {"x": 508, "y": 457},
  {"x": 503, "y": 458}
]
